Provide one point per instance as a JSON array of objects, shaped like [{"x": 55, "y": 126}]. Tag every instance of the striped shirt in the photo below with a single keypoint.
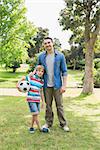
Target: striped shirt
[{"x": 36, "y": 83}]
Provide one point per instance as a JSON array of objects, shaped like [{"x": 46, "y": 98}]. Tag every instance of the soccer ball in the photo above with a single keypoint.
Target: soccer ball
[{"x": 24, "y": 86}]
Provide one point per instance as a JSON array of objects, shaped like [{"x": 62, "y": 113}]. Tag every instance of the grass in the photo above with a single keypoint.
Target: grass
[
  {"x": 8, "y": 78},
  {"x": 82, "y": 112},
  {"x": 74, "y": 77}
]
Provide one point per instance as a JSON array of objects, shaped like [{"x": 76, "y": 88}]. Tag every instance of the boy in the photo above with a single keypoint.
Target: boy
[{"x": 34, "y": 95}]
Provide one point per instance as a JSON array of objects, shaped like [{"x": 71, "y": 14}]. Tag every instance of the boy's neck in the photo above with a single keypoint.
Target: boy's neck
[{"x": 37, "y": 76}]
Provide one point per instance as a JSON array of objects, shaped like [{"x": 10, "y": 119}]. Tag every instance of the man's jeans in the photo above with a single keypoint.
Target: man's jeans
[{"x": 51, "y": 93}]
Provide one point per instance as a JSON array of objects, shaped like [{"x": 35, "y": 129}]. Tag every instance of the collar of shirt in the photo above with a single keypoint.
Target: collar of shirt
[{"x": 55, "y": 52}]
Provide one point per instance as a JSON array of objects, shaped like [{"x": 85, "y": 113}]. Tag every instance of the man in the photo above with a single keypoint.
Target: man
[{"x": 55, "y": 77}]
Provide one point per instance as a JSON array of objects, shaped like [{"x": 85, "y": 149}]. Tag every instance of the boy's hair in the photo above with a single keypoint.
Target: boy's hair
[{"x": 39, "y": 67}]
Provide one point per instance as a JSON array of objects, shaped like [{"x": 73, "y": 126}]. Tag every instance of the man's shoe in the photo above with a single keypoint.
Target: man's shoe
[
  {"x": 66, "y": 128},
  {"x": 31, "y": 130},
  {"x": 45, "y": 130},
  {"x": 45, "y": 126}
]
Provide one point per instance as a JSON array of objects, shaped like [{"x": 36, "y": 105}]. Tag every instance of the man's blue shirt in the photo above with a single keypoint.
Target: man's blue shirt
[{"x": 60, "y": 68}]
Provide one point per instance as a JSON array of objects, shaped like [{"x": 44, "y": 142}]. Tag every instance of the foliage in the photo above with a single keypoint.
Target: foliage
[
  {"x": 97, "y": 63},
  {"x": 36, "y": 47},
  {"x": 15, "y": 32},
  {"x": 57, "y": 44},
  {"x": 97, "y": 78},
  {"x": 74, "y": 15},
  {"x": 32, "y": 62},
  {"x": 97, "y": 47},
  {"x": 74, "y": 57}
]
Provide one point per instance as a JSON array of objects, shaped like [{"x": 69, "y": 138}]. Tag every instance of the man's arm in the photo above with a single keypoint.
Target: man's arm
[{"x": 64, "y": 73}]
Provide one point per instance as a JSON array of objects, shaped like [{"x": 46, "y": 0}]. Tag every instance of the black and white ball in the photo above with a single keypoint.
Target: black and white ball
[{"x": 24, "y": 86}]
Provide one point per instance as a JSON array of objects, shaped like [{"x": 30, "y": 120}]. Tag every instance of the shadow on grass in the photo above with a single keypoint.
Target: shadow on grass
[
  {"x": 81, "y": 97},
  {"x": 1, "y": 80}
]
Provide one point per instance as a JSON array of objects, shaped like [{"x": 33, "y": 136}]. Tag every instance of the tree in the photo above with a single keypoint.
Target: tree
[
  {"x": 57, "y": 44},
  {"x": 15, "y": 32},
  {"x": 83, "y": 16},
  {"x": 36, "y": 47}
]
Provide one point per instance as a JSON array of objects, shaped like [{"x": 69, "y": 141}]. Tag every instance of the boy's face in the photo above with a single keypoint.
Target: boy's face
[{"x": 40, "y": 72}]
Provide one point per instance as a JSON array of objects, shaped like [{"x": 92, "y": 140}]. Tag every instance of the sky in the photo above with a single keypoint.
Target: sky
[{"x": 45, "y": 14}]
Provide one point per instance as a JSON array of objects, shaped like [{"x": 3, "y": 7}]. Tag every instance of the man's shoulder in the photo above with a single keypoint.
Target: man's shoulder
[{"x": 59, "y": 53}]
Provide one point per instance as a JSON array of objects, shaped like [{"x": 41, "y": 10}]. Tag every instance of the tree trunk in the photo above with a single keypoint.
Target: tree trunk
[
  {"x": 88, "y": 78},
  {"x": 14, "y": 70},
  {"x": 74, "y": 64}
]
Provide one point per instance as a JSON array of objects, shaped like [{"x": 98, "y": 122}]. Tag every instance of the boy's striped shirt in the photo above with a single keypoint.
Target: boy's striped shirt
[{"x": 36, "y": 84}]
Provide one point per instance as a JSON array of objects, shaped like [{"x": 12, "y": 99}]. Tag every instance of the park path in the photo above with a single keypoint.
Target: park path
[
  {"x": 70, "y": 92},
  {"x": 10, "y": 92}
]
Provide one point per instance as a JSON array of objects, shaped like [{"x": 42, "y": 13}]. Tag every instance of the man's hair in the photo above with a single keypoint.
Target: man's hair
[
  {"x": 46, "y": 38},
  {"x": 39, "y": 67}
]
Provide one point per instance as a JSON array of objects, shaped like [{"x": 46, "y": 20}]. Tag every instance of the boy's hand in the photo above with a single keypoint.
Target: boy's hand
[
  {"x": 42, "y": 106},
  {"x": 18, "y": 87},
  {"x": 23, "y": 78},
  {"x": 32, "y": 73}
]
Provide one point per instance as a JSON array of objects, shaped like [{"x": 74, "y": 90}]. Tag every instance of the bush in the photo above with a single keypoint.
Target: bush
[
  {"x": 97, "y": 63},
  {"x": 81, "y": 64},
  {"x": 97, "y": 79},
  {"x": 32, "y": 63}
]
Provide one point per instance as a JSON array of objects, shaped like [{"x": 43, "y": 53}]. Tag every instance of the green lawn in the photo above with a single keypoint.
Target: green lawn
[
  {"x": 75, "y": 78},
  {"x": 83, "y": 114},
  {"x": 9, "y": 79}
]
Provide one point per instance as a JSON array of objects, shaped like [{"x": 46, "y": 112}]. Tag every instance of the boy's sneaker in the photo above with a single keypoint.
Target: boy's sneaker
[{"x": 31, "y": 130}]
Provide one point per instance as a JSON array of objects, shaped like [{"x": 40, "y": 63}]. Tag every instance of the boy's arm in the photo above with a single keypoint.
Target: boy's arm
[{"x": 42, "y": 97}]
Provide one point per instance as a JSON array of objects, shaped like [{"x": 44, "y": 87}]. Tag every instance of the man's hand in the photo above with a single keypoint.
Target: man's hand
[{"x": 63, "y": 89}]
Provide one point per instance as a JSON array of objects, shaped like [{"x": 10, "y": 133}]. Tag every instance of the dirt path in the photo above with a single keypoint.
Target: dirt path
[{"x": 70, "y": 92}]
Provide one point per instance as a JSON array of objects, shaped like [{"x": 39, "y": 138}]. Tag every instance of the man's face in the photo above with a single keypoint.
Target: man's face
[{"x": 48, "y": 44}]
